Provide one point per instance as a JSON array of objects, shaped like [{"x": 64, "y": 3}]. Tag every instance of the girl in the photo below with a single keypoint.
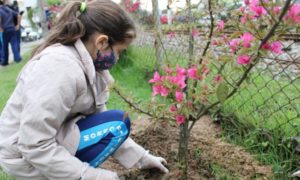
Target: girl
[{"x": 55, "y": 124}]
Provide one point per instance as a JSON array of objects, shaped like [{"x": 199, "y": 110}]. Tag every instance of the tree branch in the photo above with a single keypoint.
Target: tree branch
[{"x": 255, "y": 59}]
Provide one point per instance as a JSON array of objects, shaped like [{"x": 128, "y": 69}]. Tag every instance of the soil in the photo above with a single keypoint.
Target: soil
[{"x": 205, "y": 149}]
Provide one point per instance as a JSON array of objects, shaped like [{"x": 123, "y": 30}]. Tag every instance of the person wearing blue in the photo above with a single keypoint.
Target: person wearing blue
[{"x": 9, "y": 28}]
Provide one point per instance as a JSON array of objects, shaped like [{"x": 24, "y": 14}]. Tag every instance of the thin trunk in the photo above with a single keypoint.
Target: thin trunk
[
  {"x": 158, "y": 35},
  {"x": 183, "y": 150}
]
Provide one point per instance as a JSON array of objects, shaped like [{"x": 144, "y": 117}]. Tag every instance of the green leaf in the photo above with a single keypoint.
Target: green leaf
[{"x": 222, "y": 92}]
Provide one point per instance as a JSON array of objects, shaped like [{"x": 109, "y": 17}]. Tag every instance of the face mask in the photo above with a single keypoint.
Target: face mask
[{"x": 105, "y": 61}]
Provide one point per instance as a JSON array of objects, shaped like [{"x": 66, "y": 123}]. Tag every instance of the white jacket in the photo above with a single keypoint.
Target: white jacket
[{"x": 38, "y": 134}]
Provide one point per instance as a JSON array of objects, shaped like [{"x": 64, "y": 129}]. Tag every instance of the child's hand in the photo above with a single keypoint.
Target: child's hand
[
  {"x": 150, "y": 161},
  {"x": 296, "y": 174}
]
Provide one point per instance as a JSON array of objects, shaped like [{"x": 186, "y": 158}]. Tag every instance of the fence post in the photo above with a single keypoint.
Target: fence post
[{"x": 157, "y": 35}]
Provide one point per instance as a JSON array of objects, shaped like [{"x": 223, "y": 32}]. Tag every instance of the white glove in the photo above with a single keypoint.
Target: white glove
[
  {"x": 296, "y": 174},
  {"x": 99, "y": 174},
  {"x": 150, "y": 161}
]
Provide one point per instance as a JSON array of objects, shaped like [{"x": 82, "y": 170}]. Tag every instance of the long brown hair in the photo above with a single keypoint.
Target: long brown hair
[{"x": 103, "y": 16}]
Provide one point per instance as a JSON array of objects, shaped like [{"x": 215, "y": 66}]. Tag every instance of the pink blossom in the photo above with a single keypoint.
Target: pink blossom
[
  {"x": 221, "y": 25},
  {"x": 178, "y": 80},
  {"x": 171, "y": 35},
  {"x": 276, "y": 47},
  {"x": 156, "y": 89},
  {"x": 242, "y": 9},
  {"x": 192, "y": 73},
  {"x": 180, "y": 71},
  {"x": 156, "y": 78},
  {"x": 164, "y": 91},
  {"x": 164, "y": 19},
  {"x": 243, "y": 19},
  {"x": 215, "y": 42},
  {"x": 206, "y": 71},
  {"x": 254, "y": 2},
  {"x": 234, "y": 45},
  {"x": 218, "y": 78},
  {"x": 243, "y": 59},
  {"x": 195, "y": 32},
  {"x": 266, "y": 46},
  {"x": 173, "y": 109},
  {"x": 294, "y": 13},
  {"x": 247, "y": 2},
  {"x": 276, "y": 9},
  {"x": 179, "y": 96},
  {"x": 180, "y": 119},
  {"x": 168, "y": 70},
  {"x": 258, "y": 10},
  {"x": 247, "y": 38}
]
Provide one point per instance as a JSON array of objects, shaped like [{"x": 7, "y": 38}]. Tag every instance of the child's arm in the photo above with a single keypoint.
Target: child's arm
[{"x": 50, "y": 87}]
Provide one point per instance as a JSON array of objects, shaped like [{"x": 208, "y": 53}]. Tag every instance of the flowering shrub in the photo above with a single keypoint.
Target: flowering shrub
[{"x": 190, "y": 92}]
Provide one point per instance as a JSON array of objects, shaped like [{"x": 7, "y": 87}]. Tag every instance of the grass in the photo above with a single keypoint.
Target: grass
[{"x": 264, "y": 118}]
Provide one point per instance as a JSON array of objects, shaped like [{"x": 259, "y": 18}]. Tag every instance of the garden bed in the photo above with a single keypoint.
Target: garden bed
[{"x": 206, "y": 152}]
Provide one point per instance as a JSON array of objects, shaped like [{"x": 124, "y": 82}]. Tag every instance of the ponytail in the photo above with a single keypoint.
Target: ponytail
[{"x": 67, "y": 30}]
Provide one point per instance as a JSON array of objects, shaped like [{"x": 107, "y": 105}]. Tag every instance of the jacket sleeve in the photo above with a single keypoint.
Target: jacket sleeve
[{"x": 50, "y": 88}]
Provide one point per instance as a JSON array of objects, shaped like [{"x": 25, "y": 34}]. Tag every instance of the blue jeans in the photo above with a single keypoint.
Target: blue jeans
[
  {"x": 101, "y": 135},
  {"x": 10, "y": 36}
]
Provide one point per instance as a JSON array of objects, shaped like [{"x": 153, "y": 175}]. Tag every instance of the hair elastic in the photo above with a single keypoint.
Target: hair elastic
[{"x": 82, "y": 7}]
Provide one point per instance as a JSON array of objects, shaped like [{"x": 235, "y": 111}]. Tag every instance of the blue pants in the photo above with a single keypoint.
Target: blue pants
[
  {"x": 10, "y": 37},
  {"x": 101, "y": 135},
  {"x": 1, "y": 47}
]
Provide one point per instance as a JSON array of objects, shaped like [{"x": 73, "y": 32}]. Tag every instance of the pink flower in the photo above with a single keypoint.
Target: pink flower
[
  {"x": 156, "y": 89},
  {"x": 215, "y": 42},
  {"x": 243, "y": 59},
  {"x": 192, "y": 73},
  {"x": 179, "y": 96},
  {"x": 195, "y": 32},
  {"x": 276, "y": 10},
  {"x": 178, "y": 80},
  {"x": 180, "y": 71},
  {"x": 168, "y": 70},
  {"x": 221, "y": 25},
  {"x": 173, "y": 109},
  {"x": 206, "y": 71},
  {"x": 294, "y": 13},
  {"x": 233, "y": 44},
  {"x": 247, "y": 38},
  {"x": 276, "y": 47},
  {"x": 218, "y": 78},
  {"x": 164, "y": 91},
  {"x": 243, "y": 19},
  {"x": 156, "y": 78},
  {"x": 258, "y": 10},
  {"x": 254, "y": 2},
  {"x": 242, "y": 9},
  {"x": 266, "y": 46},
  {"x": 180, "y": 119},
  {"x": 164, "y": 19},
  {"x": 247, "y": 2},
  {"x": 171, "y": 35}
]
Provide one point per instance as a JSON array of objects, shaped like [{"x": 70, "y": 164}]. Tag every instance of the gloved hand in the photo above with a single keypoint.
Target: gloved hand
[
  {"x": 99, "y": 174},
  {"x": 150, "y": 161},
  {"x": 296, "y": 174}
]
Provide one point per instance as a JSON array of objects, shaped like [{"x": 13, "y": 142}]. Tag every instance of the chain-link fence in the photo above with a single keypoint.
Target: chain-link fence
[{"x": 263, "y": 115}]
